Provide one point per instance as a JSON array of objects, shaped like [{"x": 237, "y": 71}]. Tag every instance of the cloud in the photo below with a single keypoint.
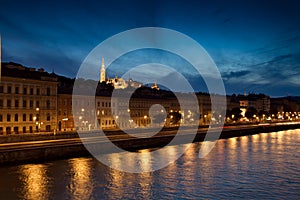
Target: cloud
[
  {"x": 235, "y": 74},
  {"x": 275, "y": 60}
]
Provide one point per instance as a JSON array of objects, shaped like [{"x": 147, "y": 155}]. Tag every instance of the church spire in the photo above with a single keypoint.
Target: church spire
[
  {"x": 102, "y": 72},
  {"x": 103, "y": 66}
]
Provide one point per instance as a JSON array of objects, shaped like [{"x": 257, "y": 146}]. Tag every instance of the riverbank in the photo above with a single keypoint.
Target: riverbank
[{"x": 60, "y": 147}]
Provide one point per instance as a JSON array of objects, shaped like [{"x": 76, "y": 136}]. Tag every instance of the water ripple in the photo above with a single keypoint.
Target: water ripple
[{"x": 262, "y": 166}]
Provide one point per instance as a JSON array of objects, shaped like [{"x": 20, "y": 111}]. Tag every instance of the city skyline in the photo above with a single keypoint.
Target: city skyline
[
  {"x": 255, "y": 45},
  {"x": 131, "y": 99}
]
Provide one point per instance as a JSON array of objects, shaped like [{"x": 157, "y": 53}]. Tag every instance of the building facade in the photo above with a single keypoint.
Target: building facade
[
  {"x": 33, "y": 101},
  {"x": 28, "y": 100}
]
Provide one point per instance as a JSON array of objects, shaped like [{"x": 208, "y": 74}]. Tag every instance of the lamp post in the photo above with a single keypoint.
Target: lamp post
[
  {"x": 85, "y": 123},
  {"x": 37, "y": 118},
  {"x": 145, "y": 120},
  {"x": 130, "y": 122}
]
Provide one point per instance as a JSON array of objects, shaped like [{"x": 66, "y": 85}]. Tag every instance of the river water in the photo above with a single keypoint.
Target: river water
[{"x": 262, "y": 166}]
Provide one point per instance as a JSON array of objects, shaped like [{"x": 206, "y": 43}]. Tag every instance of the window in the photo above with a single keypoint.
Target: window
[
  {"x": 38, "y": 91},
  {"x": 24, "y": 117},
  {"x": 65, "y": 102},
  {"x": 31, "y": 117},
  {"x": 98, "y": 104},
  {"x": 8, "y": 89},
  {"x": 17, "y": 90},
  {"x": 48, "y": 104},
  {"x": 24, "y": 104},
  {"x": 48, "y": 91},
  {"x": 16, "y": 103},
  {"x": 1, "y": 130},
  {"x": 24, "y": 129},
  {"x": 16, "y": 130},
  {"x": 48, "y": 128},
  {"x": 31, "y": 104},
  {"x": 8, "y": 103},
  {"x": 1, "y": 88},
  {"x": 30, "y": 129},
  {"x": 1, "y": 118},
  {"x": 16, "y": 117},
  {"x": 48, "y": 116},
  {"x": 8, "y": 130},
  {"x": 65, "y": 112},
  {"x": 24, "y": 90},
  {"x": 31, "y": 91},
  {"x": 37, "y": 104},
  {"x": 1, "y": 103},
  {"x": 8, "y": 117}
]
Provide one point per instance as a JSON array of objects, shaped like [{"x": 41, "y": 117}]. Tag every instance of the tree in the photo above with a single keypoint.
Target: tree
[
  {"x": 263, "y": 113},
  {"x": 175, "y": 117},
  {"x": 236, "y": 114},
  {"x": 250, "y": 113}
]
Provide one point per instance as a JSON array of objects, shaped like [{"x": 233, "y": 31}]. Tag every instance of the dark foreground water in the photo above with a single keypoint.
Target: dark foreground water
[{"x": 262, "y": 166}]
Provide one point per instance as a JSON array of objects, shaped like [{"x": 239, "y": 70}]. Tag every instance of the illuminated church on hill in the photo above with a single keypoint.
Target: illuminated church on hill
[{"x": 118, "y": 83}]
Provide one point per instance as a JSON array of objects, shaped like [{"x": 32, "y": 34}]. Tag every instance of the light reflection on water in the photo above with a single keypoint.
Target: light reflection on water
[
  {"x": 265, "y": 165},
  {"x": 35, "y": 181},
  {"x": 80, "y": 183}
]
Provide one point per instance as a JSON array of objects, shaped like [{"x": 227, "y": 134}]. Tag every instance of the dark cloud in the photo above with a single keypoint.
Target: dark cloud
[
  {"x": 255, "y": 44},
  {"x": 236, "y": 74},
  {"x": 274, "y": 60}
]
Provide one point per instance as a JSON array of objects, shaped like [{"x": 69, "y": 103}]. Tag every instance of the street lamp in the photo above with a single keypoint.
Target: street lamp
[
  {"x": 130, "y": 122},
  {"x": 145, "y": 121},
  {"x": 37, "y": 119},
  {"x": 205, "y": 116},
  {"x": 85, "y": 122}
]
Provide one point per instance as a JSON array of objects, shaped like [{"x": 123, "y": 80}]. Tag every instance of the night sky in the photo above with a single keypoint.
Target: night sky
[{"x": 255, "y": 44}]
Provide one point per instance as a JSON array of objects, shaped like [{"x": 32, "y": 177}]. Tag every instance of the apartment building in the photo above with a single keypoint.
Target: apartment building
[{"x": 28, "y": 99}]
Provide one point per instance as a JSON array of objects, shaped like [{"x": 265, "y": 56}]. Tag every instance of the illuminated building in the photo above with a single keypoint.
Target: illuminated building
[
  {"x": 118, "y": 83},
  {"x": 28, "y": 100},
  {"x": 34, "y": 101}
]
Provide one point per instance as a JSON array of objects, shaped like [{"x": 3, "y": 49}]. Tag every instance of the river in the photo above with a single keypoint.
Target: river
[{"x": 261, "y": 166}]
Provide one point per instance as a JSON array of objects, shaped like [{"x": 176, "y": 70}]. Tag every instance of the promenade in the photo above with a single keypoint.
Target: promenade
[{"x": 65, "y": 146}]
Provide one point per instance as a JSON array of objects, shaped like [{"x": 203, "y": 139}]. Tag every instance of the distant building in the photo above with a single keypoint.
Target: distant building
[
  {"x": 260, "y": 102},
  {"x": 285, "y": 104},
  {"x": 65, "y": 120},
  {"x": 34, "y": 101},
  {"x": 155, "y": 86},
  {"x": 118, "y": 83}
]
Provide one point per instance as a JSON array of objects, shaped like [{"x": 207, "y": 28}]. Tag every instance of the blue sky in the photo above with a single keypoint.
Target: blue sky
[{"x": 255, "y": 44}]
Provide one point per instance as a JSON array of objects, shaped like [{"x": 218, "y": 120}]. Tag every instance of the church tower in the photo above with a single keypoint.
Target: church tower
[{"x": 102, "y": 72}]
